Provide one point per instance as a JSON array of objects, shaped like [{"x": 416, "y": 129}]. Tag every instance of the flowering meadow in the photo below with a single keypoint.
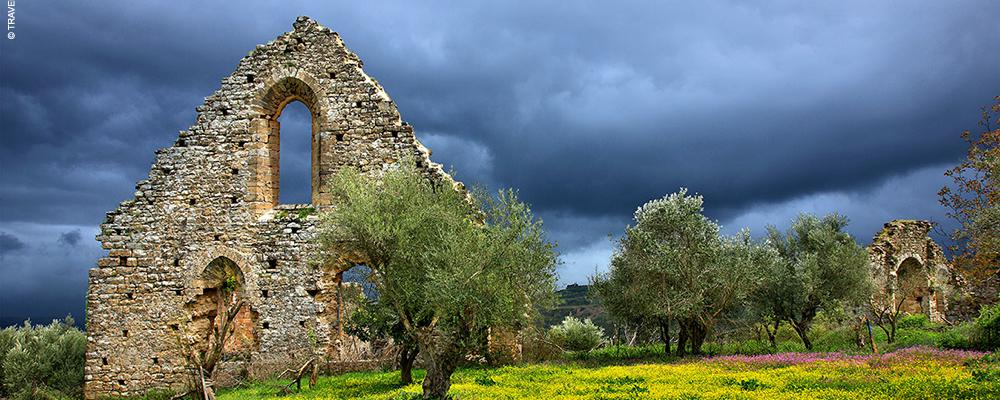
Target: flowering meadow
[{"x": 912, "y": 373}]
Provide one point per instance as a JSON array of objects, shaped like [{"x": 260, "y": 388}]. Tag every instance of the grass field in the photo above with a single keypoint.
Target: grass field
[{"x": 916, "y": 373}]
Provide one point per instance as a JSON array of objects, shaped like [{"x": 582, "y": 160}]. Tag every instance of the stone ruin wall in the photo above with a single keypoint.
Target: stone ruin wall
[
  {"x": 903, "y": 255},
  {"x": 213, "y": 196}
]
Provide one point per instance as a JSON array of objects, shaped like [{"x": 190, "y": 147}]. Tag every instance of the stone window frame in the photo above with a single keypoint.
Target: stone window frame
[{"x": 276, "y": 92}]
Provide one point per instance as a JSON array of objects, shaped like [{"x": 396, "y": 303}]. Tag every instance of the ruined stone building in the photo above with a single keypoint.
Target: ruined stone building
[
  {"x": 210, "y": 205},
  {"x": 910, "y": 269}
]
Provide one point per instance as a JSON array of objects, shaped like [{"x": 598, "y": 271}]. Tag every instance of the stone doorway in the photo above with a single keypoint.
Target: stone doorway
[
  {"x": 913, "y": 289},
  {"x": 220, "y": 284}
]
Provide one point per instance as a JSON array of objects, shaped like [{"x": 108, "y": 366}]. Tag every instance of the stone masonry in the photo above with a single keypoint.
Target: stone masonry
[
  {"x": 911, "y": 268},
  {"x": 211, "y": 201}
]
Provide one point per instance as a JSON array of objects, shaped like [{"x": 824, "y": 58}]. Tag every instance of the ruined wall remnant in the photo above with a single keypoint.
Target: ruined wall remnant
[
  {"x": 211, "y": 201},
  {"x": 910, "y": 269}
]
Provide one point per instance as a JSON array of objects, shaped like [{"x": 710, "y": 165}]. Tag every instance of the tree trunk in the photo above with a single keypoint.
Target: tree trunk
[
  {"x": 438, "y": 379},
  {"x": 802, "y": 328},
  {"x": 407, "y": 355},
  {"x": 665, "y": 335},
  {"x": 892, "y": 331},
  {"x": 772, "y": 335},
  {"x": 682, "y": 338},
  {"x": 698, "y": 333}
]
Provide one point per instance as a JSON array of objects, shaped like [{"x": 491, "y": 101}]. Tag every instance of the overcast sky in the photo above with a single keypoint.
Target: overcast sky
[{"x": 767, "y": 109}]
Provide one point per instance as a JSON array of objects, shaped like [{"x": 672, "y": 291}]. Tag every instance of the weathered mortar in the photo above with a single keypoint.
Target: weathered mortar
[{"x": 214, "y": 194}]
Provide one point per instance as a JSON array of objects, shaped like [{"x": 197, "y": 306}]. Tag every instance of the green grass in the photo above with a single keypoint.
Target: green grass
[{"x": 917, "y": 376}]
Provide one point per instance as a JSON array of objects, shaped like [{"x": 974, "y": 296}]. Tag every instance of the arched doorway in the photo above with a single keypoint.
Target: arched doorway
[
  {"x": 221, "y": 284},
  {"x": 912, "y": 289}
]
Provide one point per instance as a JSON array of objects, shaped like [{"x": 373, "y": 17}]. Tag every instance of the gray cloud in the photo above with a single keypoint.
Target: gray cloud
[
  {"x": 70, "y": 238},
  {"x": 9, "y": 243},
  {"x": 589, "y": 109}
]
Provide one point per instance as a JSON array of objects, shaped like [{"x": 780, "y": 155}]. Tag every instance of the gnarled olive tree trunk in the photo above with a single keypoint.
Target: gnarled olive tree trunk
[
  {"x": 407, "y": 356},
  {"x": 441, "y": 364}
]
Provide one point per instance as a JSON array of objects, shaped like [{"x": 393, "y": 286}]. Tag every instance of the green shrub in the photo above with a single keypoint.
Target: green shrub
[
  {"x": 43, "y": 362},
  {"x": 988, "y": 327},
  {"x": 576, "y": 335},
  {"x": 958, "y": 337},
  {"x": 986, "y": 368},
  {"x": 917, "y": 337},
  {"x": 6, "y": 342},
  {"x": 536, "y": 347},
  {"x": 611, "y": 355},
  {"x": 913, "y": 321}
]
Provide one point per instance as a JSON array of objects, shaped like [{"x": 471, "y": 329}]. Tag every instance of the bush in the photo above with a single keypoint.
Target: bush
[
  {"x": 985, "y": 369},
  {"x": 958, "y": 337},
  {"x": 988, "y": 327},
  {"x": 576, "y": 335},
  {"x": 913, "y": 321},
  {"x": 536, "y": 347},
  {"x": 42, "y": 362},
  {"x": 613, "y": 355}
]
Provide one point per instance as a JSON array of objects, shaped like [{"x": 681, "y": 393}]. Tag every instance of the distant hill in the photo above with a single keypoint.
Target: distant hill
[{"x": 575, "y": 302}]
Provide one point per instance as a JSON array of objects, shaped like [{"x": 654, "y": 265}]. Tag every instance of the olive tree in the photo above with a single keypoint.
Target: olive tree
[
  {"x": 822, "y": 268},
  {"x": 452, "y": 266},
  {"x": 622, "y": 294},
  {"x": 673, "y": 265},
  {"x": 375, "y": 323}
]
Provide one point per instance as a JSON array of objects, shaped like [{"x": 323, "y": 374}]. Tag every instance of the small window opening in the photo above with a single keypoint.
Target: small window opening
[
  {"x": 175, "y": 327},
  {"x": 122, "y": 260},
  {"x": 177, "y": 292},
  {"x": 312, "y": 292},
  {"x": 333, "y": 75},
  {"x": 233, "y": 200},
  {"x": 156, "y": 361},
  {"x": 104, "y": 361},
  {"x": 266, "y": 325},
  {"x": 249, "y": 78},
  {"x": 340, "y": 137},
  {"x": 121, "y": 382},
  {"x": 130, "y": 295},
  {"x": 272, "y": 263},
  {"x": 357, "y": 104},
  {"x": 124, "y": 332},
  {"x": 302, "y": 323},
  {"x": 177, "y": 262},
  {"x": 263, "y": 293},
  {"x": 181, "y": 143},
  {"x": 236, "y": 171},
  {"x": 191, "y": 202},
  {"x": 218, "y": 236}
]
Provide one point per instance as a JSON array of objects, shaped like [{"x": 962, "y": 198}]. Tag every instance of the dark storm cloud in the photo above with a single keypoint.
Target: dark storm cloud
[
  {"x": 9, "y": 243},
  {"x": 70, "y": 238},
  {"x": 588, "y": 109}
]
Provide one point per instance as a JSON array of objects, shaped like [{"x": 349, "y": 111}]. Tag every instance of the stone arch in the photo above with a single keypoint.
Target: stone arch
[
  {"x": 278, "y": 91},
  {"x": 209, "y": 290},
  {"x": 913, "y": 291},
  {"x": 197, "y": 262}
]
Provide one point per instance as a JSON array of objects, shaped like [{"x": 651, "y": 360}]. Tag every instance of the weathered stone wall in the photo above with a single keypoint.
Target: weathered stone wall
[
  {"x": 911, "y": 268},
  {"x": 214, "y": 194}
]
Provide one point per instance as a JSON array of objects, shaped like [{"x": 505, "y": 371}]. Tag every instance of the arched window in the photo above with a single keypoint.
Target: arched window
[
  {"x": 295, "y": 160},
  {"x": 286, "y": 161}
]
